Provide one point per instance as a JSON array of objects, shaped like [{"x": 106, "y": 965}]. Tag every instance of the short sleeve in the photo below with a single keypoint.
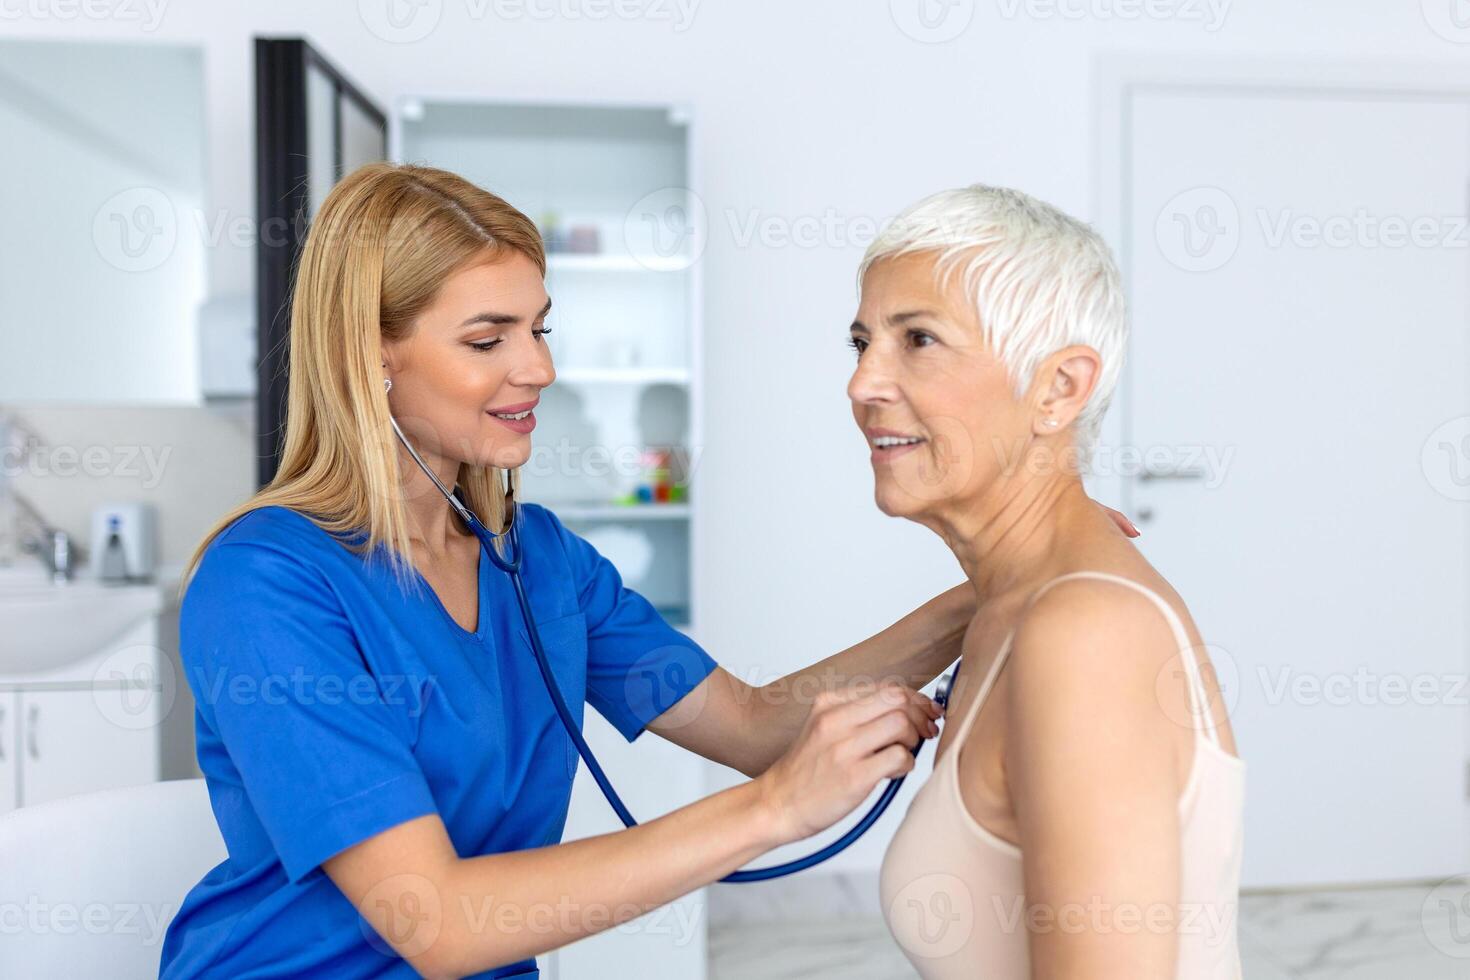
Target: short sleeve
[
  {"x": 638, "y": 666},
  {"x": 278, "y": 675}
]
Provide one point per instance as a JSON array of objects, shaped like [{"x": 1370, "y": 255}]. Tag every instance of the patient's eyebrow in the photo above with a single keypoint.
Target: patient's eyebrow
[
  {"x": 907, "y": 315},
  {"x": 897, "y": 319}
]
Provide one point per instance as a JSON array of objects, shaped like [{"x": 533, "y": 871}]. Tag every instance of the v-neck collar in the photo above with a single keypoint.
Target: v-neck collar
[{"x": 482, "y": 618}]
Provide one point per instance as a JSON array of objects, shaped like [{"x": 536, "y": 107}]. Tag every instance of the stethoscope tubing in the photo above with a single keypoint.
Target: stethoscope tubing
[{"x": 510, "y": 562}]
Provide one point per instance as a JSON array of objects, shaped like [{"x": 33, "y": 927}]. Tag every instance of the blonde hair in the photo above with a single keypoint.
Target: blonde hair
[{"x": 381, "y": 246}]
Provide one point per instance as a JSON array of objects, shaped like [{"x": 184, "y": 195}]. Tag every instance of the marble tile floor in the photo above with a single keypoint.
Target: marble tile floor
[{"x": 1412, "y": 931}]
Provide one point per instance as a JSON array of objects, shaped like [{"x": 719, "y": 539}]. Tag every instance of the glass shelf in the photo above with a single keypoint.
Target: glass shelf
[
  {"x": 624, "y": 376},
  {"x": 620, "y": 512},
  {"x": 598, "y": 262}
]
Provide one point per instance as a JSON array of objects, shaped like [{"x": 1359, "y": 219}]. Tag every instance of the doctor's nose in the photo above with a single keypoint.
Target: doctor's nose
[{"x": 534, "y": 369}]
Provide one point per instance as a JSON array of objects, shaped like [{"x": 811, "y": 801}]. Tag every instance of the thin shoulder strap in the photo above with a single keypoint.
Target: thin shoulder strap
[{"x": 1198, "y": 699}]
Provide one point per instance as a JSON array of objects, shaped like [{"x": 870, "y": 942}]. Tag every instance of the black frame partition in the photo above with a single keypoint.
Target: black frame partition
[{"x": 284, "y": 169}]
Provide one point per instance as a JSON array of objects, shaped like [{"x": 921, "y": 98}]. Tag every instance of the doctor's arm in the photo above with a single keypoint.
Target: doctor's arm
[
  {"x": 450, "y": 916},
  {"x": 747, "y": 728}
]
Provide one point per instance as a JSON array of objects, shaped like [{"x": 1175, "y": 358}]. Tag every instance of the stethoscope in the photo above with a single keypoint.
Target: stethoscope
[{"x": 509, "y": 561}]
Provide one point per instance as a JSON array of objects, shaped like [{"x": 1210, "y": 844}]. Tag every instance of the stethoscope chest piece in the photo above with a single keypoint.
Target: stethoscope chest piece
[{"x": 946, "y": 687}]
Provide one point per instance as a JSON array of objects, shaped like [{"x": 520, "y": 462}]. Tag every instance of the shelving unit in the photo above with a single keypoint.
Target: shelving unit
[
  {"x": 608, "y": 179},
  {"x": 626, "y": 348}
]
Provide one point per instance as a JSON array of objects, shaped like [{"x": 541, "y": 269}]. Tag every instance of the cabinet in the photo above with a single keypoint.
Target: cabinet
[
  {"x": 98, "y": 723},
  {"x": 9, "y": 751}
]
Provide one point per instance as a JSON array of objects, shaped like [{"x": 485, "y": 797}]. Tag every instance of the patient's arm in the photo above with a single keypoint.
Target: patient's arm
[{"x": 1092, "y": 775}]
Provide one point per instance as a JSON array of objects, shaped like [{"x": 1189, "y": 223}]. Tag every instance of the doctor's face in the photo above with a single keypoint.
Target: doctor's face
[
  {"x": 935, "y": 405},
  {"x": 467, "y": 377}
]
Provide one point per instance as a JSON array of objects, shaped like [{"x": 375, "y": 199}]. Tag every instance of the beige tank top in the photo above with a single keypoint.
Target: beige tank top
[{"x": 953, "y": 894}]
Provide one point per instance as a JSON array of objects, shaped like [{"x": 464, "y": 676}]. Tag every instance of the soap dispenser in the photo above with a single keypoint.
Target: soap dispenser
[{"x": 123, "y": 542}]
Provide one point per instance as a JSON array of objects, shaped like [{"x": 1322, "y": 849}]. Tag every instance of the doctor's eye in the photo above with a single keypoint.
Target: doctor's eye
[
  {"x": 857, "y": 344},
  {"x": 484, "y": 345},
  {"x": 541, "y": 331}
]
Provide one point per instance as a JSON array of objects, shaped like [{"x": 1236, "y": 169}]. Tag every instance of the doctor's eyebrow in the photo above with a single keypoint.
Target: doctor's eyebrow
[{"x": 502, "y": 319}]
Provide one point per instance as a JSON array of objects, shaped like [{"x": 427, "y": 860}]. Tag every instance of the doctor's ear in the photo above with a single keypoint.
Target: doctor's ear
[{"x": 1064, "y": 382}]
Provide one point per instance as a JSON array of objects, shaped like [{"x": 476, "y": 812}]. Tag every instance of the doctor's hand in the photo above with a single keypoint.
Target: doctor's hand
[{"x": 854, "y": 738}]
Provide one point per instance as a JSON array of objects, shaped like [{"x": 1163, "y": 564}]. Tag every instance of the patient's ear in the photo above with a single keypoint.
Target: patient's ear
[{"x": 1064, "y": 382}]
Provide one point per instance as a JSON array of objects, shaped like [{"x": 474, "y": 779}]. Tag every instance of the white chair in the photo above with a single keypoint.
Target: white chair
[{"x": 89, "y": 883}]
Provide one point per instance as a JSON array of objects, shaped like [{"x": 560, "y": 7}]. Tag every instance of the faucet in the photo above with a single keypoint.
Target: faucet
[
  {"x": 53, "y": 545},
  {"x": 56, "y": 549}
]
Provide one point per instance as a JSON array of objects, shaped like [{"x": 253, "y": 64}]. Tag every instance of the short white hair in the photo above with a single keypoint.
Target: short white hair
[{"x": 1040, "y": 280}]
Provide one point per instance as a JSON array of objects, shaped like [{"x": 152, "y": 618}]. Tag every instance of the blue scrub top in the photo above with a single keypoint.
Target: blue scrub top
[{"x": 333, "y": 705}]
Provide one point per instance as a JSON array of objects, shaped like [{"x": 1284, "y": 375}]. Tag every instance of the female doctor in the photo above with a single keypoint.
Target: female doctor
[{"x": 384, "y": 763}]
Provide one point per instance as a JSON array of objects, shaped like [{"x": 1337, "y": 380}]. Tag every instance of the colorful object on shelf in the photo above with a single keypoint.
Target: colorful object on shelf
[
  {"x": 584, "y": 239},
  {"x": 656, "y": 484},
  {"x": 553, "y": 239}
]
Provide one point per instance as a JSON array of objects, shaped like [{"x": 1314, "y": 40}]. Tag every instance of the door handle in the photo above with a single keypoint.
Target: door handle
[
  {"x": 33, "y": 724},
  {"x": 1170, "y": 473}
]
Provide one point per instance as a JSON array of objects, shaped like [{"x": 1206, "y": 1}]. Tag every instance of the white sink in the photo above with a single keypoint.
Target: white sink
[{"x": 45, "y": 626}]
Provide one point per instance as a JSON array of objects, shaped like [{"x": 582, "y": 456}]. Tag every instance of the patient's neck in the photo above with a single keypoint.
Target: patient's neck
[{"x": 1011, "y": 533}]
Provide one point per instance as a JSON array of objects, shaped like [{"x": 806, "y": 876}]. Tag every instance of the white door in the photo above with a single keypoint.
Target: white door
[
  {"x": 1300, "y": 373},
  {"x": 79, "y": 741},
  {"x": 9, "y": 751}
]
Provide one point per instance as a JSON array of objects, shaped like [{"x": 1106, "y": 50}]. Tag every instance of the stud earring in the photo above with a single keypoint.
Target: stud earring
[
  {"x": 387, "y": 385},
  {"x": 1050, "y": 423}
]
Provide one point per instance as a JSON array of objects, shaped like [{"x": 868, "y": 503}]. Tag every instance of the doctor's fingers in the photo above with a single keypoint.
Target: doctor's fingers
[
  {"x": 892, "y": 728},
  {"x": 855, "y": 705}
]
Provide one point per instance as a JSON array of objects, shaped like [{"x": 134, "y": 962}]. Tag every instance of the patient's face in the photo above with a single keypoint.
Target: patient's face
[{"x": 925, "y": 375}]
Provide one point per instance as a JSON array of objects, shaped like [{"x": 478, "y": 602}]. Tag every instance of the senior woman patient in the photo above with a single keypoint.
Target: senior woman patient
[{"x": 1084, "y": 813}]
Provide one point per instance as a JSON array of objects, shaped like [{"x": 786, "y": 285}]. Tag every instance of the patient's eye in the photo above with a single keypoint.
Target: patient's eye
[
  {"x": 857, "y": 344},
  {"x": 920, "y": 339}
]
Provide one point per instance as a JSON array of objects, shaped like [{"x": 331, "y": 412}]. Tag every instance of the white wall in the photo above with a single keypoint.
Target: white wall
[{"x": 825, "y": 113}]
